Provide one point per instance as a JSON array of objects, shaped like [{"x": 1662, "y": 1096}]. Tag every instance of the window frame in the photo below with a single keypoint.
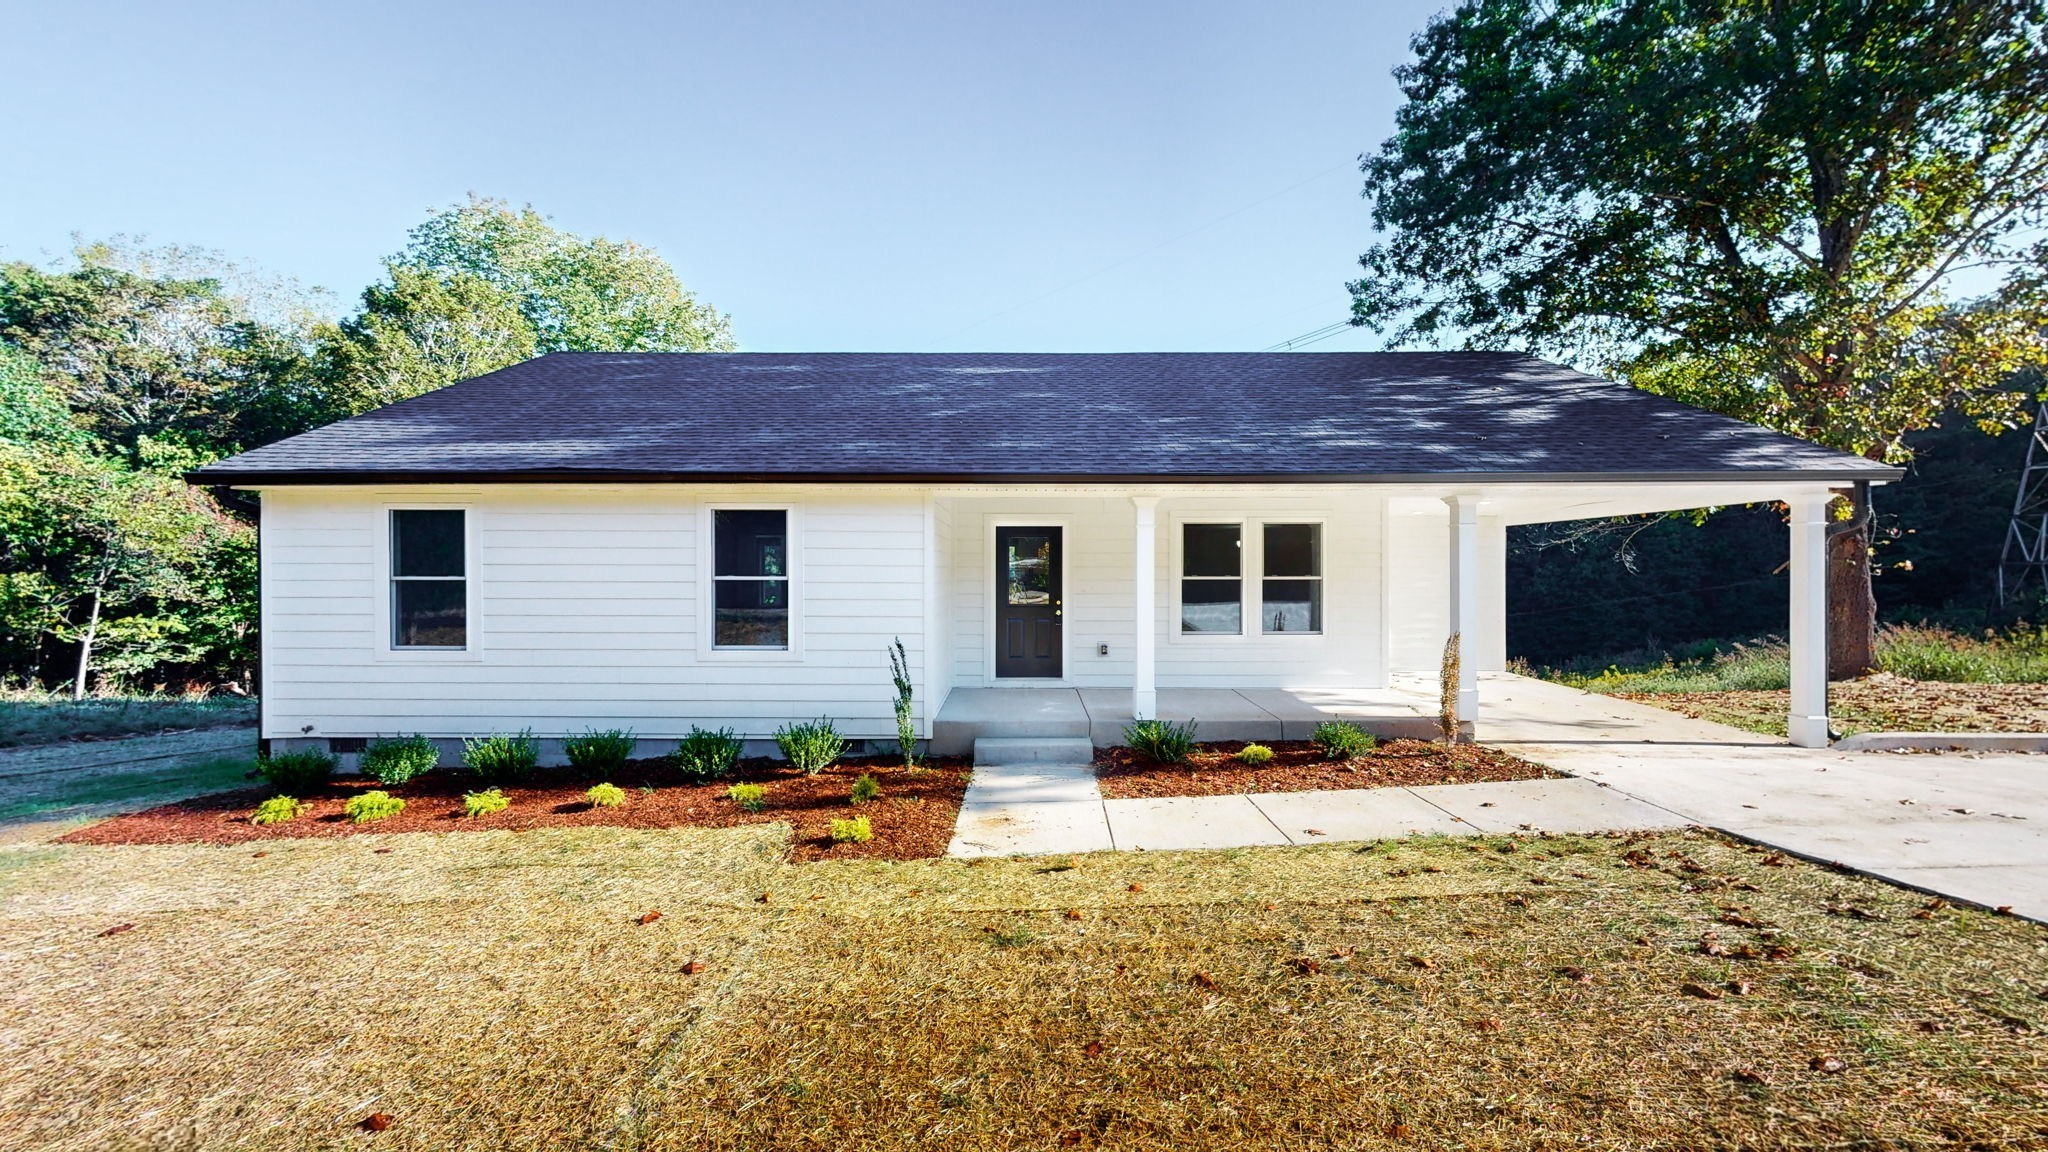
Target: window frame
[
  {"x": 384, "y": 637},
  {"x": 708, "y": 580},
  {"x": 1252, "y": 593},
  {"x": 1322, "y": 554}
]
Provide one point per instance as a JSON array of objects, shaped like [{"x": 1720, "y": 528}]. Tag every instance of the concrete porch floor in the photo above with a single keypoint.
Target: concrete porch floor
[{"x": 1403, "y": 710}]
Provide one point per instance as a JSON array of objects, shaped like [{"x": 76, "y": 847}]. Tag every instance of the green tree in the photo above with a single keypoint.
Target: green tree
[
  {"x": 1761, "y": 208},
  {"x": 480, "y": 286}
]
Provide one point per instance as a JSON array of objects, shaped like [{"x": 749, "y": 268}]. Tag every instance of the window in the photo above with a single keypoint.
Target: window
[
  {"x": 1291, "y": 594},
  {"x": 1212, "y": 579},
  {"x": 429, "y": 584},
  {"x": 751, "y": 578}
]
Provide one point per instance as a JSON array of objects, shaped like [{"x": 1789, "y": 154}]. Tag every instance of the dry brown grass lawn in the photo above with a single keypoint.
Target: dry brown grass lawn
[
  {"x": 1877, "y": 703},
  {"x": 495, "y": 990}
]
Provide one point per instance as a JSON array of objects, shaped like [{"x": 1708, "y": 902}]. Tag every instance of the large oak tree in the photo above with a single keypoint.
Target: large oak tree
[{"x": 1772, "y": 208}]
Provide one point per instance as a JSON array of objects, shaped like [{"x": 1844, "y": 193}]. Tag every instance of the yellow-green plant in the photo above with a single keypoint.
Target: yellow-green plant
[
  {"x": 751, "y": 797},
  {"x": 865, "y": 788},
  {"x": 375, "y": 805},
  {"x": 484, "y": 803},
  {"x": 278, "y": 810},
  {"x": 1255, "y": 755},
  {"x": 854, "y": 831},
  {"x": 605, "y": 796}
]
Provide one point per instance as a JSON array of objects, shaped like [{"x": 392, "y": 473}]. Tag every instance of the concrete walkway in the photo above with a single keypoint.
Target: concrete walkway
[{"x": 1971, "y": 825}]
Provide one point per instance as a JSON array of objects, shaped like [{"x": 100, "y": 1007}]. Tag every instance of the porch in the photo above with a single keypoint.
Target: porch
[{"x": 1407, "y": 708}]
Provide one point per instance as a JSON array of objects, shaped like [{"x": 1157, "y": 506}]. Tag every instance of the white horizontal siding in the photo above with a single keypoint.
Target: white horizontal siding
[{"x": 589, "y": 613}]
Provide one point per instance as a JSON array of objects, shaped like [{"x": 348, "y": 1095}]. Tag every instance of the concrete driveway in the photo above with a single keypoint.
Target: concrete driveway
[{"x": 1969, "y": 825}]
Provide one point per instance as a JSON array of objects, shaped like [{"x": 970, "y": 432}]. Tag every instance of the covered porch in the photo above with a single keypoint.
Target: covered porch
[{"x": 1406, "y": 709}]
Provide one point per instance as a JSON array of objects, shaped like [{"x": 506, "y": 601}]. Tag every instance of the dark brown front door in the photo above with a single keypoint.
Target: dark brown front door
[{"x": 1028, "y": 641}]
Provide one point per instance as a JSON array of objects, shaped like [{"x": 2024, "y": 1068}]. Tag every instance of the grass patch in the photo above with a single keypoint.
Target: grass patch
[
  {"x": 53, "y": 794},
  {"x": 34, "y": 716},
  {"x": 1483, "y": 993},
  {"x": 1911, "y": 651}
]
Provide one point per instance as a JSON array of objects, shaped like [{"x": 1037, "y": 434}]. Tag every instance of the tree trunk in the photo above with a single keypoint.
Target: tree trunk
[
  {"x": 92, "y": 627},
  {"x": 1852, "y": 605}
]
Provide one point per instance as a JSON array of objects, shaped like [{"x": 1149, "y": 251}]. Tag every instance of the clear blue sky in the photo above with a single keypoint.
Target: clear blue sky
[{"x": 880, "y": 175}]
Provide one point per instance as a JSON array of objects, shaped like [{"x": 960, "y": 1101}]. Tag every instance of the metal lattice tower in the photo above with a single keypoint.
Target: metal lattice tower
[{"x": 2025, "y": 559}]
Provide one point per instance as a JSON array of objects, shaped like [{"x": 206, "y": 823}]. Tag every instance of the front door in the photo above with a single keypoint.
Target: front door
[{"x": 1028, "y": 640}]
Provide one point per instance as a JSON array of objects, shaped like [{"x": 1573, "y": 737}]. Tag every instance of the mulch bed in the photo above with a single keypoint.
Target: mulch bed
[
  {"x": 1298, "y": 766},
  {"x": 912, "y": 820}
]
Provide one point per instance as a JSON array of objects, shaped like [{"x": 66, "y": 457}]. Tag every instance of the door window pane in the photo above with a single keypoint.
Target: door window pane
[
  {"x": 1028, "y": 561},
  {"x": 426, "y": 543}
]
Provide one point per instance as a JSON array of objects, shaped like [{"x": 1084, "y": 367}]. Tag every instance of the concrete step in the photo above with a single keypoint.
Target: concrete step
[{"x": 1033, "y": 750}]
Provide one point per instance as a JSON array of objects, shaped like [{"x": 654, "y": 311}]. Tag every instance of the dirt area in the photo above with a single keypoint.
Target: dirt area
[
  {"x": 912, "y": 819},
  {"x": 1299, "y": 766},
  {"x": 510, "y": 992},
  {"x": 1880, "y": 703}
]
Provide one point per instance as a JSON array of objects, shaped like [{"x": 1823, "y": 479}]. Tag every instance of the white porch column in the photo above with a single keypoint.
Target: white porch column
[
  {"x": 1464, "y": 613},
  {"x": 1808, "y": 724},
  {"x": 1144, "y": 609}
]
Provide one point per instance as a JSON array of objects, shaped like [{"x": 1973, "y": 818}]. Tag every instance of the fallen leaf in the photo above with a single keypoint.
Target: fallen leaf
[
  {"x": 1304, "y": 965},
  {"x": 1070, "y": 1138},
  {"x": 375, "y": 1122},
  {"x": 1711, "y": 945},
  {"x": 1135, "y": 888},
  {"x": 1398, "y": 1132},
  {"x": 259, "y": 855},
  {"x": 1775, "y": 860},
  {"x": 1421, "y": 962},
  {"x": 2003, "y": 909},
  {"x": 1738, "y": 920},
  {"x": 1931, "y": 1026},
  {"x": 1093, "y": 1049},
  {"x": 1699, "y": 990},
  {"x": 1073, "y": 913},
  {"x": 1343, "y": 952},
  {"x": 1203, "y": 981},
  {"x": 1827, "y": 1064},
  {"x": 1489, "y": 1024},
  {"x": 1575, "y": 974},
  {"x": 381, "y": 851},
  {"x": 761, "y": 899},
  {"x": 1740, "y": 987},
  {"x": 1750, "y": 1076},
  {"x": 693, "y": 967},
  {"x": 1315, "y": 831},
  {"x": 649, "y": 917},
  {"x": 117, "y": 929},
  {"x": 1853, "y": 912}
]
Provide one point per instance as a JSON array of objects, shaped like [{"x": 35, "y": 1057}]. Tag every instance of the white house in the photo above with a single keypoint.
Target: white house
[{"x": 658, "y": 541}]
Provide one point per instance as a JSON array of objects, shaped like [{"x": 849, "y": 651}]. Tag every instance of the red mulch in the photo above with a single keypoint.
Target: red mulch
[
  {"x": 1298, "y": 766},
  {"x": 912, "y": 820}
]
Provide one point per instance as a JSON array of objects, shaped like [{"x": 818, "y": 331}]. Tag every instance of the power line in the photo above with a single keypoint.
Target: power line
[{"x": 1313, "y": 336}]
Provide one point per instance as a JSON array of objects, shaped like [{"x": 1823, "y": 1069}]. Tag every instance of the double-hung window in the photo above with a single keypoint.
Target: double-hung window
[
  {"x": 429, "y": 579},
  {"x": 1291, "y": 593},
  {"x": 751, "y": 578},
  {"x": 1211, "y": 579}
]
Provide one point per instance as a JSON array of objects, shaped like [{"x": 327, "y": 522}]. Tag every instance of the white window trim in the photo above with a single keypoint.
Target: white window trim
[
  {"x": 384, "y": 644},
  {"x": 1252, "y": 569},
  {"x": 707, "y": 584},
  {"x": 987, "y": 568}
]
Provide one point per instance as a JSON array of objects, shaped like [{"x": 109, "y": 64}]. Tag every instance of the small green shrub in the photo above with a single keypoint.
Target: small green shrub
[
  {"x": 393, "y": 762},
  {"x": 278, "y": 810},
  {"x": 707, "y": 755},
  {"x": 751, "y": 797},
  {"x": 1255, "y": 755},
  {"x": 854, "y": 831},
  {"x": 297, "y": 773},
  {"x": 605, "y": 796},
  {"x": 811, "y": 747},
  {"x": 1341, "y": 740},
  {"x": 484, "y": 803},
  {"x": 502, "y": 759},
  {"x": 367, "y": 806},
  {"x": 596, "y": 751},
  {"x": 1162, "y": 740},
  {"x": 906, "y": 725},
  {"x": 865, "y": 788}
]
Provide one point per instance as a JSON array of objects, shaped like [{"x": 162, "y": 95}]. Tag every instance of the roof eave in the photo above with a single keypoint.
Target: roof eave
[{"x": 257, "y": 478}]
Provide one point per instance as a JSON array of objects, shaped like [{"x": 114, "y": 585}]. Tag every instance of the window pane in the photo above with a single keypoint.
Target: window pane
[
  {"x": 1292, "y": 606},
  {"x": 1029, "y": 565},
  {"x": 426, "y": 543},
  {"x": 430, "y": 613},
  {"x": 1211, "y": 606},
  {"x": 1209, "y": 550},
  {"x": 751, "y": 543},
  {"x": 1294, "y": 550},
  {"x": 752, "y": 614}
]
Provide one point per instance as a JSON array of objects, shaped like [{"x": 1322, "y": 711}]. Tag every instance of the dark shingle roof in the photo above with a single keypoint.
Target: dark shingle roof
[{"x": 999, "y": 416}]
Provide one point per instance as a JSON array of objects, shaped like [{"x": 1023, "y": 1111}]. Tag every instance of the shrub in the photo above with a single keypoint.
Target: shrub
[
  {"x": 367, "y": 806},
  {"x": 605, "y": 796},
  {"x": 501, "y": 758},
  {"x": 811, "y": 747},
  {"x": 1450, "y": 672},
  {"x": 393, "y": 762},
  {"x": 596, "y": 751},
  {"x": 484, "y": 803},
  {"x": 906, "y": 727},
  {"x": 1341, "y": 740},
  {"x": 854, "y": 831},
  {"x": 297, "y": 773},
  {"x": 705, "y": 755},
  {"x": 751, "y": 797},
  {"x": 1255, "y": 755},
  {"x": 1162, "y": 740},
  {"x": 865, "y": 788},
  {"x": 278, "y": 810}
]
